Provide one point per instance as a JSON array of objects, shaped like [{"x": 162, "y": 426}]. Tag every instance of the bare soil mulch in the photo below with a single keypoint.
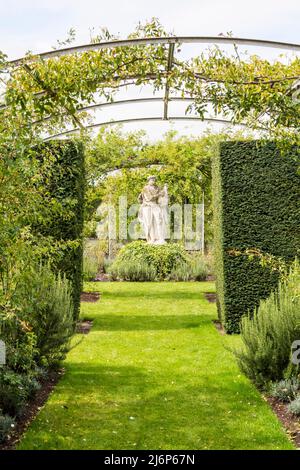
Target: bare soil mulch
[
  {"x": 290, "y": 422},
  {"x": 102, "y": 277},
  {"x": 90, "y": 296},
  {"x": 84, "y": 327},
  {"x": 32, "y": 409},
  {"x": 219, "y": 327},
  {"x": 211, "y": 297}
]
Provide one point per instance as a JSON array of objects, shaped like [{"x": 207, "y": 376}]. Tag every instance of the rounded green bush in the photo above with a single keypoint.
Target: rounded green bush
[{"x": 160, "y": 259}]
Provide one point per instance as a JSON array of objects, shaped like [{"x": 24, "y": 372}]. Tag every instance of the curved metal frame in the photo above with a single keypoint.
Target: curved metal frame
[
  {"x": 91, "y": 107},
  {"x": 163, "y": 40},
  {"x": 158, "y": 119}
]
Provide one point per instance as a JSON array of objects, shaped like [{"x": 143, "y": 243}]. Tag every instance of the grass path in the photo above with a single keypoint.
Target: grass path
[{"x": 154, "y": 374}]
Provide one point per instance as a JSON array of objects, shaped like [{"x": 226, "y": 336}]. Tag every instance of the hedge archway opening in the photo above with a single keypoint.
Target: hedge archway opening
[{"x": 50, "y": 94}]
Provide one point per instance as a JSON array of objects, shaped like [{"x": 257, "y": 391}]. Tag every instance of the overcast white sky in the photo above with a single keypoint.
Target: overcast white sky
[{"x": 36, "y": 24}]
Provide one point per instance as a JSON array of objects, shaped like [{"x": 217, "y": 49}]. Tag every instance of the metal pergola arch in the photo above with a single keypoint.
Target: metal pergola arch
[
  {"x": 144, "y": 119},
  {"x": 171, "y": 41},
  {"x": 162, "y": 40}
]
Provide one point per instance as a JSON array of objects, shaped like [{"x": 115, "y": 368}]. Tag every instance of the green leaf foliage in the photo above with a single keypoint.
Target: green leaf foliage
[{"x": 64, "y": 185}]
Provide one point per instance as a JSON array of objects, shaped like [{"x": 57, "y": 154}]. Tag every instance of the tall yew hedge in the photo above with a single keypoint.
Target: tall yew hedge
[
  {"x": 62, "y": 165},
  {"x": 256, "y": 206}
]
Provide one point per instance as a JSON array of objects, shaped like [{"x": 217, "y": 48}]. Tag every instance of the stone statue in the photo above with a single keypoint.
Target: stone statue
[{"x": 153, "y": 213}]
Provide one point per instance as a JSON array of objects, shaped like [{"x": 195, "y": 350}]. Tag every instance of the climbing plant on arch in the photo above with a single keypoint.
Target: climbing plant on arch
[
  {"x": 48, "y": 93},
  {"x": 43, "y": 95}
]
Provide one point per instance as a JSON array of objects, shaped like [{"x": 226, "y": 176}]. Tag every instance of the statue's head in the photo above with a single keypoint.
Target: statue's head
[{"x": 151, "y": 179}]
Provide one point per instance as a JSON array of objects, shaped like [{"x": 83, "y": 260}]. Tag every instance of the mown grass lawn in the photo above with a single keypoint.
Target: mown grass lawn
[{"x": 154, "y": 374}]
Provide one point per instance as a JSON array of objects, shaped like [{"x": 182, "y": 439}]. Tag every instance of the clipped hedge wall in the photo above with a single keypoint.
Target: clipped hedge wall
[
  {"x": 256, "y": 192},
  {"x": 64, "y": 179}
]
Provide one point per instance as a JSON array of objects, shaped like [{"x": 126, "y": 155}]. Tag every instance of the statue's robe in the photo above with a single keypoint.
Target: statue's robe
[{"x": 151, "y": 215}]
